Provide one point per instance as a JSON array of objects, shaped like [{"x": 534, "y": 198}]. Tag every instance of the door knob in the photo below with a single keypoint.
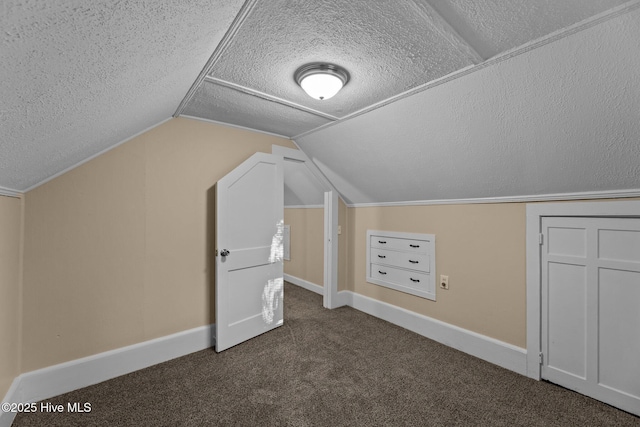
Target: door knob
[{"x": 225, "y": 252}]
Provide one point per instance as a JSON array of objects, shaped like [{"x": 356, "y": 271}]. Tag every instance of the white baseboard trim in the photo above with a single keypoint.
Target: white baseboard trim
[
  {"x": 54, "y": 380},
  {"x": 6, "y": 418},
  {"x": 65, "y": 377},
  {"x": 304, "y": 284},
  {"x": 345, "y": 298},
  {"x": 492, "y": 350}
]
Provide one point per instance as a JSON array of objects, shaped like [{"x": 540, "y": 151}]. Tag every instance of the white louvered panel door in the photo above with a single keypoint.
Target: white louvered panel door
[{"x": 591, "y": 307}]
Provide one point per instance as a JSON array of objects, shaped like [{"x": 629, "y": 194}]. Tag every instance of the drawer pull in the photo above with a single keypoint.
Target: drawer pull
[
  {"x": 382, "y": 256},
  {"x": 384, "y": 272},
  {"x": 382, "y": 241},
  {"x": 415, "y": 246},
  {"x": 413, "y": 262},
  {"x": 414, "y": 280}
]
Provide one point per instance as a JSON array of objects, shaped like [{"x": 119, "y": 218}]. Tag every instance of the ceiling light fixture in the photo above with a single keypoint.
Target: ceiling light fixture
[{"x": 321, "y": 80}]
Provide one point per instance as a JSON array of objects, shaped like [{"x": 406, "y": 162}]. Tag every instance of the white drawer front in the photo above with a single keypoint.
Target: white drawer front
[
  {"x": 402, "y": 261},
  {"x": 414, "y": 261},
  {"x": 405, "y": 278},
  {"x": 394, "y": 243}
]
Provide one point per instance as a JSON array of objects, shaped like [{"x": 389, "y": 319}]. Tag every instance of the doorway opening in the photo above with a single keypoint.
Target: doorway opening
[{"x": 311, "y": 203}]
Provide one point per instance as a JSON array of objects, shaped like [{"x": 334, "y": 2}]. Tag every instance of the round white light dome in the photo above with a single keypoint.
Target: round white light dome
[
  {"x": 320, "y": 80},
  {"x": 321, "y": 86}
]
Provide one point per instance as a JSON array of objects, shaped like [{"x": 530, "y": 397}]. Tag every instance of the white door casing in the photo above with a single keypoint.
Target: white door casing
[
  {"x": 249, "y": 292},
  {"x": 590, "y": 299},
  {"x": 330, "y": 289},
  {"x": 330, "y": 281}
]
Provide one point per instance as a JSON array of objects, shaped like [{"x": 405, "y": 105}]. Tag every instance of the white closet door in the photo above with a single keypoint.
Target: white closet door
[{"x": 591, "y": 307}]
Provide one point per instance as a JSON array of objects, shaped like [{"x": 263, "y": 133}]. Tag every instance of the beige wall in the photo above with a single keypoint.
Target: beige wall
[
  {"x": 307, "y": 244},
  {"x": 10, "y": 296},
  {"x": 117, "y": 250},
  {"x": 481, "y": 247}
]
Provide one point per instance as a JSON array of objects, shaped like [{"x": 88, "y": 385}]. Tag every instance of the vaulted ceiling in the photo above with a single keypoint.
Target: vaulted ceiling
[
  {"x": 80, "y": 77},
  {"x": 388, "y": 47}
]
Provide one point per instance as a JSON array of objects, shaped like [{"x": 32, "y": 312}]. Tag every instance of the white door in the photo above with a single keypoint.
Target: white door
[
  {"x": 591, "y": 307},
  {"x": 249, "y": 233}
]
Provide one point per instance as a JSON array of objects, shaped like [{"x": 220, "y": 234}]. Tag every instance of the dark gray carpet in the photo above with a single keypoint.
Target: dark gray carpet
[{"x": 330, "y": 368}]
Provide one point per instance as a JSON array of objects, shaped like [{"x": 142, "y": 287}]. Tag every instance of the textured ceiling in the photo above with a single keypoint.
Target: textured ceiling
[
  {"x": 388, "y": 47},
  {"x": 80, "y": 77},
  {"x": 561, "y": 118},
  {"x": 301, "y": 188}
]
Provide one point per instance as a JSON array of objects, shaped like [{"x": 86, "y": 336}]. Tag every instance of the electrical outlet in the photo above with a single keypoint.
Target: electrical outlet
[
  {"x": 444, "y": 282},
  {"x": 339, "y": 229}
]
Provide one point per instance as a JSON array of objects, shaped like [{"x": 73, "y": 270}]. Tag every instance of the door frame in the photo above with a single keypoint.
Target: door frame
[
  {"x": 535, "y": 213},
  {"x": 331, "y": 201},
  {"x": 330, "y": 285}
]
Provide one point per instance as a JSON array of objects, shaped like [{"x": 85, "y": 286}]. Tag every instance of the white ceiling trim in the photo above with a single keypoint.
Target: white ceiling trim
[
  {"x": 550, "y": 38},
  {"x": 100, "y": 153},
  {"x": 588, "y": 195},
  {"x": 244, "y": 12},
  {"x": 301, "y": 156},
  {"x": 607, "y": 15},
  {"x": 268, "y": 97},
  {"x": 234, "y": 126},
  {"x": 8, "y": 192},
  {"x": 448, "y": 32},
  {"x": 304, "y": 207}
]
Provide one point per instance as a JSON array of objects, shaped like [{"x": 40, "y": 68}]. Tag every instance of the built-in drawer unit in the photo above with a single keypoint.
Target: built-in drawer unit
[
  {"x": 398, "y": 244},
  {"x": 402, "y": 261}
]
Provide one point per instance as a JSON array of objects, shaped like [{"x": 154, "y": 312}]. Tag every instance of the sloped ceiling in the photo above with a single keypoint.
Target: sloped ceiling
[
  {"x": 301, "y": 188},
  {"x": 388, "y": 47},
  {"x": 80, "y": 77},
  {"x": 562, "y": 118}
]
